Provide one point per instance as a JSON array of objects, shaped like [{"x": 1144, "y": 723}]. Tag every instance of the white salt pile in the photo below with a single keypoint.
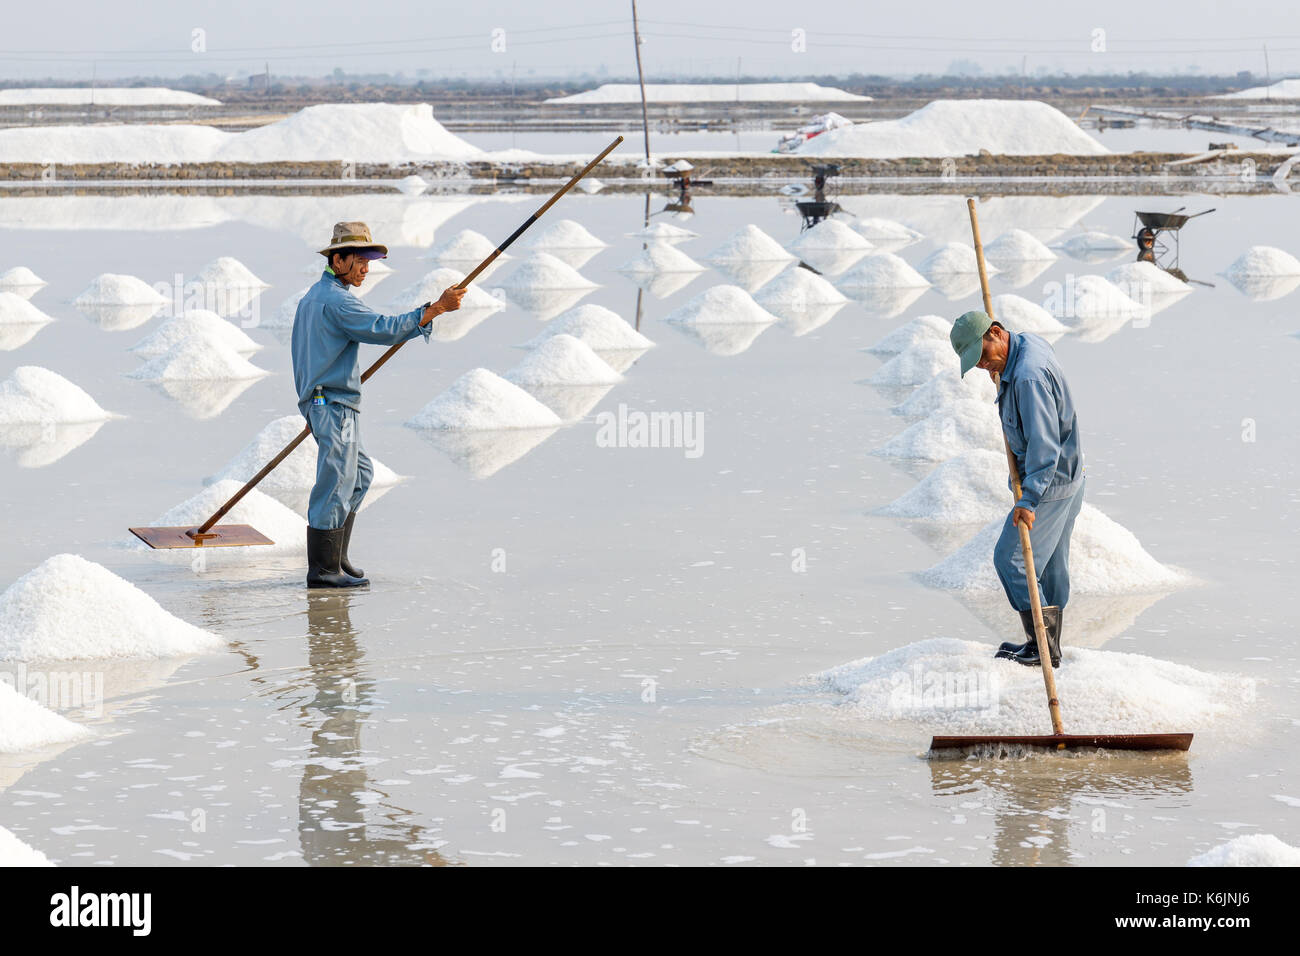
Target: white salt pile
[
  {"x": 25, "y": 724},
  {"x": 1092, "y": 299},
  {"x": 749, "y": 244},
  {"x": 876, "y": 228},
  {"x": 1254, "y": 849},
  {"x": 950, "y": 431},
  {"x": 1020, "y": 315},
  {"x": 16, "y": 310},
  {"x": 829, "y": 235},
  {"x": 710, "y": 93},
  {"x": 411, "y": 185},
  {"x": 197, "y": 358},
  {"x": 1105, "y": 558},
  {"x": 227, "y": 272},
  {"x": 13, "y": 851},
  {"x": 69, "y": 608},
  {"x": 795, "y": 292},
  {"x": 19, "y": 277},
  {"x": 431, "y": 287},
  {"x": 659, "y": 257},
  {"x": 600, "y": 328},
  {"x": 952, "y": 258},
  {"x": 918, "y": 364},
  {"x": 945, "y": 389},
  {"x": 479, "y": 400},
  {"x": 1281, "y": 90},
  {"x": 565, "y": 234},
  {"x": 200, "y": 322},
  {"x": 960, "y": 128},
  {"x": 665, "y": 232},
  {"x": 466, "y": 246},
  {"x": 277, "y": 522},
  {"x": 1088, "y": 242},
  {"x": 103, "y": 96},
  {"x": 1142, "y": 280},
  {"x": 1102, "y": 691},
  {"x": 563, "y": 360},
  {"x": 721, "y": 305},
  {"x": 113, "y": 289},
  {"x": 1263, "y": 261},
  {"x": 297, "y": 472},
  {"x": 36, "y": 395},
  {"x": 883, "y": 270},
  {"x": 544, "y": 271},
  {"x": 1017, "y": 245},
  {"x": 926, "y": 328},
  {"x": 971, "y": 487}
]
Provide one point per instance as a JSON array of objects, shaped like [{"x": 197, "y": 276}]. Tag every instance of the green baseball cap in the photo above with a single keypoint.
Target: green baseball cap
[{"x": 966, "y": 338}]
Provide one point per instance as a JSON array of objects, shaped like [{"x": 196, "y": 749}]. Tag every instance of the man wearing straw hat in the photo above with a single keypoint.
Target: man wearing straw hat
[
  {"x": 327, "y": 329},
  {"x": 1041, "y": 428}
]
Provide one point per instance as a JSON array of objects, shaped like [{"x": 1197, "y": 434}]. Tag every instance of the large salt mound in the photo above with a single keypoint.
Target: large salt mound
[
  {"x": 883, "y": 270},
  {"x": 70, "y": 608},
  {"x": 228, "y": 272},
  {"x": 19, "y": 277},
  {"x": 1142, "y": 280},
  {"x": 749, "y": 244},
  {"x": 562, "y": 360},
  {"x": 263, "y": 512},
  {"x": 113, "y": 289},
  {"x": 36, "y": 395},
  {"x": 600, "y": 328},
  {"x": 659, "y": 257},
  {"x": 665, "y": 232},
  {"x": 199, "y": 322},
  {"x": 430, "y": 289},
  {"x": 945, "y": 389},
  {"x": 952, "y": 258},
  {"x": 13, "y": 851},
  {"x": 968, "y": 488},
  {"x": 565, "y": 234},
  {"x": 1105, "y": 558},
  {"x": 721, "y": 305},
  {"x": 27, "y": 725},
  {"x": 829, "y": 235},
  {"x": 466, "y": 246},
  {"x": 918, "y": 364},
  {"x": 927, "y": 328},
  {"x": 479, "y": 400},
  {"x": 1100, "y": 691},
  {"x": 1263, "y": 261},
  {"x": 1016, "y": 245},
  {"x": 710, "y": 93},
  {"x": 297, "y": 472},
  {"x": 1096, "y": 300},
  {"x": 1020, "y": 315},
  {"x": 876, "y": 228},
  {"x": 16, "y": 310},
  {"x": 950, "y": 431},
  {"x": 1254, "y": 849},
  {"x": 544, "y": 271},
  {"x": 197, "y": 358},
  {"x": 960, "y": 128},
  {"x": 795, "y": 292},
  {"x": 1088, "y": 242},
  {"x": 103, "y": 96}
]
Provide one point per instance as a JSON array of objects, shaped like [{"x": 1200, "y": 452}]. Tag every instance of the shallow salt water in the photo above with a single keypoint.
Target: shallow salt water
[{"x": 602, "y": 654}]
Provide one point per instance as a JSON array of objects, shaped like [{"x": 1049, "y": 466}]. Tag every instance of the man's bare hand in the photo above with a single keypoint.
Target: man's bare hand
[
  {"x": 449, "y": 301},
  {"x": 1023, "y": 515}
]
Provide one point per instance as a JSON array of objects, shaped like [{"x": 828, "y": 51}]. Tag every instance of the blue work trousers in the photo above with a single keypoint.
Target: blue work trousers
[
  {"x": 1050, "y": 539},
  {"x": 343, "y": 469}
]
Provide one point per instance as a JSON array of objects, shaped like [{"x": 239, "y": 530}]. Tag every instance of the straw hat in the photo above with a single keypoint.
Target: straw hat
[{"x": 353, "y": 235}]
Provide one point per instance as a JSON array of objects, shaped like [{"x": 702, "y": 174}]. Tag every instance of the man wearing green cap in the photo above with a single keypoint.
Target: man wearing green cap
[{"x": 1041, "y": 428}]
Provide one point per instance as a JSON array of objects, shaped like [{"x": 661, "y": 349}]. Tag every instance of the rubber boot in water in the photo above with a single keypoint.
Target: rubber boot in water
[
  {"x": 345, "y": 565},
  {"x": 324, "y": 550},
  {"x": 1028, "y": 654}
]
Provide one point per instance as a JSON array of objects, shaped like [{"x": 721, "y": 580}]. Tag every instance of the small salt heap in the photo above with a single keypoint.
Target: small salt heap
[
  {"x": 431, "y": 287},
  {"x": 749, "y": 244},
  {"x": 411, "y": 185},
  {"x": 198, "y": 322},
  {"x": 26, "y": 724},
  {"x": 1250, "y": 849},
  {"x": 35, "y": 395},
  {"x": 1140, "y": 280},
  {"x": 927, "y": 328},
  {"x": 600, "y": 328},
  {"x": 970, "y": 487},
  {"x": 952, "y": 258},
  {"x": 665, "y": 232},
  {"x": 1087, "y": 244},
  {"x": 565, "y": 234},
  {"x": 227, "y": 272},
  {"x": 950, "y": 431},
  {"x": 543, "y": 271},
  {"x": 562, "y": 360},
  {"x": 20, "y": 277},
  {"x": 480, "y": 400},
  {"x": 659, "y": 257},
  {"x": 883, "y": 270},
  {"x": 796, "y": 292},
  {"x": 16, "y": 310},
  {"x": 1017, "y": 245},
  {"x": 829, "y": 235},
  {"x": 263, "y": 512},
  {"x": 889, "y": 231},
  {"x": 1263, "y": 261},
  {"x": 918, "y": 364},
  {"x": 69, "y": 608},
  {"x": 1020, "y": 315},
  {"x": 113, "y": 289},
  {"x": 945, "y": 389},
  {"x": 1094, "y": 301},
  {"x": 197, "y": 358},
  {"x": 466, "y": 246},
  {"x": 721, "y": 305}
]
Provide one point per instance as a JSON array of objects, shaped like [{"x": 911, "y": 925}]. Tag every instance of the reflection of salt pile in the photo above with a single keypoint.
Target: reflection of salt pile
[
  {"x": 207, "y": 325},
  {"x": 888, "y": 231},
  {"x": 971, "y": 487},
  {"x": 952, "y": 258},
  {"x": 1105, "y": 558},
  {"x": 263, "y": 512},
  {"x": 1095, "y": 309},
  {"x": 291, "y": 481},
  {"x": 1148, "y": 285},
  {"x": 918, "y": 364},
  {"x": 546, "y": 285},
  {"x": 1254, "y": 849},
  {"x": 802, "y": 299},
  {"x": 926, "y": 328},
  {"x": 35, "y": 395},
  {"x": 665, "y": 232},
  {"x": 197, "y": 358},
  {"x": 27, "y": 725},
  {"x": 600, "y": 328},
  {"x": 19, "y": 321},
  {"x": 947, "y": 388},
  {"x": 883, "y": 270},
  {"x": 725, "y": 319},
  {"x": 44, "y": 616},
  {"x": 749, "y": 244},
  {"x": 1020, "y": 315},
  {"x": 13, "y": 851},
  {"x": 1016, "y": 245},
  {"x": 22, "y": 280},
  {"x": 1101, "y": 691},
  {"x": 1095, "y": 246},
  {"x": 658, "y": 257},
  {"x": 113, "y": 289},
  {"x": 562, "y": 360},
  {"x": 949, "y": 431},
  {"x": 1263, "y": 273}
]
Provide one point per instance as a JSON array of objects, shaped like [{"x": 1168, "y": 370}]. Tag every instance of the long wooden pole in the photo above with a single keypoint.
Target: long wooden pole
[
  {"x": 1031, "y": 578},
  {"x": 201, "y": 532}
]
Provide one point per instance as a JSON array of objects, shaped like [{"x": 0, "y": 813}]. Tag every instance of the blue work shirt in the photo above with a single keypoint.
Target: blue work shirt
[
  {"x": 329, "y": 324},
  {"x": 1038, "y": 419}
]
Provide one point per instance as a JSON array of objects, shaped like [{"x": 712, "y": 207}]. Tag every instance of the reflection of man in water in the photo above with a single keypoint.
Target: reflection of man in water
[
  {"x": 333, "y": 794},
  {"x": 1146, "y": 245}
]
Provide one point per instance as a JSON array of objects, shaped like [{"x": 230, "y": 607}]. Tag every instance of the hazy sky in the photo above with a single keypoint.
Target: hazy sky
[{"x": 547, "y": 38}]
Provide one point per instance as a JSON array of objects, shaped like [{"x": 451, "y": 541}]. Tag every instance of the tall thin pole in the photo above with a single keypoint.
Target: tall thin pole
[
  {"x": 645, "y": 121},
  {"x": 1268, "y": 77}
]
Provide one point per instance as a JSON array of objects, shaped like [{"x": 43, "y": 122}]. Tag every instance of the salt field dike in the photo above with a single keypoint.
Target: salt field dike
[{"x": 650, "y": 435}]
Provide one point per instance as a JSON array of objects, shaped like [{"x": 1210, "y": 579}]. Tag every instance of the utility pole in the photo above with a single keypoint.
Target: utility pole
[
  {"x": 1268, "y": 79},
  {"x": 640, "y": 76}
]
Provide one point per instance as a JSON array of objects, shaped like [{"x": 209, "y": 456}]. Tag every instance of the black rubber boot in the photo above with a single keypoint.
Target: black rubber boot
[
  {"x": 324, "y": 550},
  {"x": 1026, "y": 622},
  {"x": 345, "y": 565},
  {"x": 1028, "y": 654}
]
